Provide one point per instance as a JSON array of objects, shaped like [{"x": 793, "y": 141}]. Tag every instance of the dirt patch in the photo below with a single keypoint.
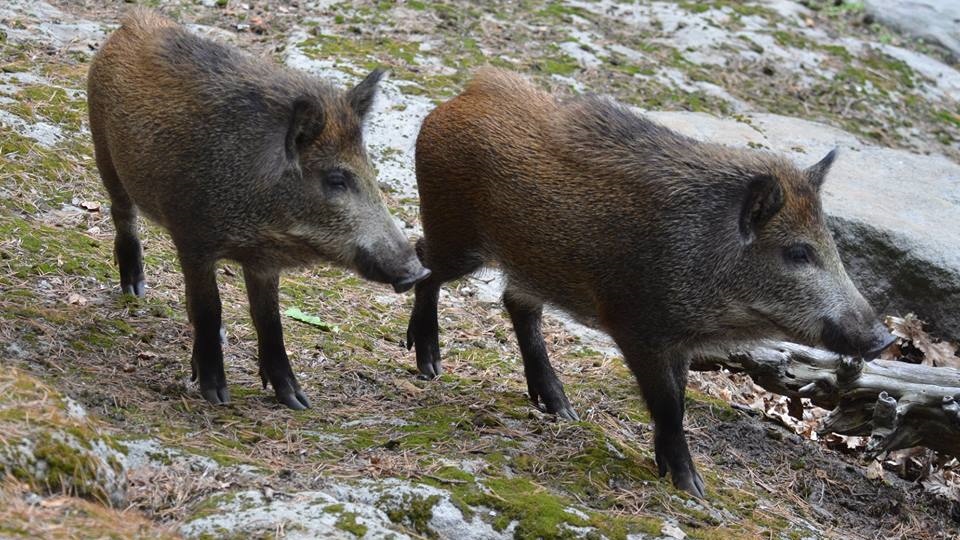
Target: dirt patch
[{"x": 834, "y": 489}]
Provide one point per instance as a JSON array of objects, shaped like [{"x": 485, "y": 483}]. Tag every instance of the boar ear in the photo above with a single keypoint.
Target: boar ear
[
  {"x": 361, "y": 96},
  {"x": 817, "y": 173},
  {"x": 762, "y": 200},
  {"x": 305, "y": 125}
]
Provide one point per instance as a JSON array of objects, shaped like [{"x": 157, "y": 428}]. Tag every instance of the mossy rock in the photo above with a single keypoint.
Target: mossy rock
[{"x": 48, "y": 442}]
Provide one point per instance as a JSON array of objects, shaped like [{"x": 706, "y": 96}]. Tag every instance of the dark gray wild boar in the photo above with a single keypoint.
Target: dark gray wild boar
[
  {"x": 238, "y": 159},
  {"x": 670, "y": 245}
]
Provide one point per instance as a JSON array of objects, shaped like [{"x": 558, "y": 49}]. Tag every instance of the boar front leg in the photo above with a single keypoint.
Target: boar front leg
[
  {"x": 663, "y": 381},
  {"x": 262, "y": 291},
  {"x": 204, "y": 309},
  {"x": 542, "y": 382}
]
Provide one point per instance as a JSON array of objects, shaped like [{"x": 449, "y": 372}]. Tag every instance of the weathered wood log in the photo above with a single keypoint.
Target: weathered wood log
[{"x": 899, "y": 405}]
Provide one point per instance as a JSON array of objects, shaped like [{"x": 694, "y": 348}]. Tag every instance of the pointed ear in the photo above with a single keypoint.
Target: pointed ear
[
  {"x": 762, "y": 199},
  {"x": 362, "y": 95},
  {"x": 817, "y": 173},
  {"x": 303, "y": 126}
]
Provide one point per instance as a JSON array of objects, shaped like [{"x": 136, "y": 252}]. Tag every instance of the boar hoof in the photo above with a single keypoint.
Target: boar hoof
[
  {"x": 555, "y": 403},
  {"x": 294, "y": 398},
  {"x": 567, "y": 413},
  {"x": 429, "y": 370},
  {"x": 216, "y": 396},
  {"x": 690, "y": 482},
  {"x": 137, "y": 289}
]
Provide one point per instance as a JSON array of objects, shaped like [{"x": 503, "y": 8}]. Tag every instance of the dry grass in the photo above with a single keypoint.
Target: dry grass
[{"x": 61, "y": 517}]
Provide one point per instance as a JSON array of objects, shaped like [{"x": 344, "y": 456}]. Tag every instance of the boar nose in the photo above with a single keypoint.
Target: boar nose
[
  {"x": 882, "y": 338},
  {"x": 848, "y": 337},
  {"x": 404, "y": 284}
]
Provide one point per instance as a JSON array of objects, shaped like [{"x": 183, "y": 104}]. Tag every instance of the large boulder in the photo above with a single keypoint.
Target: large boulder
[
  {"x": 895, "y": 215},
  {"x": 937, "y": 21}
]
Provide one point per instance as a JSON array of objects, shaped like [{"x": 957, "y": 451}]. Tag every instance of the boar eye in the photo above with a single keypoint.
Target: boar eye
[
  {"x": 337, "y": 179},
  {"x": 799, "y": 254}
]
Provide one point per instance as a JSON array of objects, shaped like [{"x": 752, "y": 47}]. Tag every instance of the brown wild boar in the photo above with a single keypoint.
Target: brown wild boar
[
  {"x": 670, "y": 245},
  {"x": 238, "y": 159}
]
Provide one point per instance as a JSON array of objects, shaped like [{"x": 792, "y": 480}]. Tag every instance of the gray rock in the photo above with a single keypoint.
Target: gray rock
[
  {"x": 937, "y": 21},
  {"x": 310, "y": 514},
  {"x": 895, "y": 214},
  {"x": 387, "y": 508}
]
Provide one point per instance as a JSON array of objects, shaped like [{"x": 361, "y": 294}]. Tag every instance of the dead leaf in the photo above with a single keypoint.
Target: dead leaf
[
  {"x": 407, "y": 387},
  {"x": 89, "y": 206},
  {"x": 935, "y": 352},
  {"x": 76, "y": 299},
  {"x": 875, "y": 470},
  {"x": 55, "y": 502},
  {"x": 942, "y": 354}
]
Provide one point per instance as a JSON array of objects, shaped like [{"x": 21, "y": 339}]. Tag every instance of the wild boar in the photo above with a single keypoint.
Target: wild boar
[
  {"x": 670, "y": 245},
  {"x": 239, "y": 159}
]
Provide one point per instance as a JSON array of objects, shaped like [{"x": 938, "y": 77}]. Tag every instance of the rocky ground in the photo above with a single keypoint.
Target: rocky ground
[{"x": 102, "y": 434}]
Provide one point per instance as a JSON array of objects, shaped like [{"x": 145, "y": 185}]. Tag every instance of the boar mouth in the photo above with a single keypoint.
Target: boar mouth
[
  {"x": 402, "y": 279},
  {"x": 785, "y": 332},
  {"x": 404, "y": 284}
]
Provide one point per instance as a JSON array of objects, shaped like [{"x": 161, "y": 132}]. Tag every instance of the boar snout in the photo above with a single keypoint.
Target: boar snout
[
  {"x": 411, "y": 280},
  {"x": 398, "y": 267},
  {"x": 851, "y": 336}
]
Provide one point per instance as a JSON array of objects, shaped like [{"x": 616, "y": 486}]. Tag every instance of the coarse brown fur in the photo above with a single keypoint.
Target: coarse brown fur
[
  {"x": 237, "y": 158},
  {"x": 668, "y": 244}
]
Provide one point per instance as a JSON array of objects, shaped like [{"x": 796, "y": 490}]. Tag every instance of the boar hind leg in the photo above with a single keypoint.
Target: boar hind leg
[
  {"x": 204, "y": 309},
  {"x": 663, "y": 380},
  {"x": 126, "y": 244},
  {"x": 262, "y": 290},
  {"x": 542, "y": 382},
  {"x": 423, "y": 331}
]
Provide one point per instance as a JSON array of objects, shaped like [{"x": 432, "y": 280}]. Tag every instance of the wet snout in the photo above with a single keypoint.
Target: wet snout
[
  {"x": 396, "y": 264},
  {"x": 849, "y": 336},
  {"x": 412, "y": 279}
]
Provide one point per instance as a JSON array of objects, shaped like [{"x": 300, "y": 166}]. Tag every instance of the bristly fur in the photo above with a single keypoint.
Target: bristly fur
[
  {"x": 666, "y": 243},
  {"x": 237, "y": 158}
]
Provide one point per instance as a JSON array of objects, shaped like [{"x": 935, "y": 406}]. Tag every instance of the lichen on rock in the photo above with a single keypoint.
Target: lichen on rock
[{"x": 48, "y": 442}]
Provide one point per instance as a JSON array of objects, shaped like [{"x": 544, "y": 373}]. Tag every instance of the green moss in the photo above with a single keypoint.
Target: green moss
[
  {"x": 67, "y": 469},
  {"x": 562, "y": 12},
  {"x": 44, "y": 250},
  {"x": 414, "y": 511},
  {"x": 348, "y": 522},
  {"x": 716, "y": 407},
  {"x": 433, "y": 425},
  {"x": 837, "y": 50},
  {"x": 791, "y": 39},
  {"x": 738, "y": 8},
  {"x": 212, "y": 506},
  {"x": 54, "y": 104},
  {"x": 368, "y": 52}
]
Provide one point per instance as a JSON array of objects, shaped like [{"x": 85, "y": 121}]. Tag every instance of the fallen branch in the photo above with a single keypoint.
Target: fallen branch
[{"x": 899, "y": 405}]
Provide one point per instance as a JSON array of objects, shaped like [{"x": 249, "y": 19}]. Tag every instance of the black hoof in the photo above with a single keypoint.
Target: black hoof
[
  {"x": 552, "y": 399},
  {"x": 137, "y": 289},
  {"x": 428, "y": 372},
  {"x": 567, "y": 414},
  {"x": 294, "y": 399},
  {"x": 429, "y": 368},
  {"x": 216, "y": 396},
  {"x": 691, "y": 482},
  {"x": 560, "y": 408}
]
